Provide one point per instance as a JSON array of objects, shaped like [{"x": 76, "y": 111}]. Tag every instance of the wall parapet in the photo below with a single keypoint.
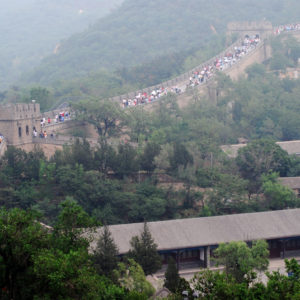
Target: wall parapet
[{"x": 19, "y": 111}]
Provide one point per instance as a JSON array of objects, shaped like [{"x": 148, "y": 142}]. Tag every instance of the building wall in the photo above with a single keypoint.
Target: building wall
[
  {"x": 17, "y": 122},
  {"x": 283, "y": 247},
  {"x": 3, "y": 148}
]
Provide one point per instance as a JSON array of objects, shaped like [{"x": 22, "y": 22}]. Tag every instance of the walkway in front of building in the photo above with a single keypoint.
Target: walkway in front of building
[{"x": 189, "y": 271}]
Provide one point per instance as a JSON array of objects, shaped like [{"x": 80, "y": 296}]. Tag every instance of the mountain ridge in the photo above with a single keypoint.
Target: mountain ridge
[{"x": 139, "y": 31}]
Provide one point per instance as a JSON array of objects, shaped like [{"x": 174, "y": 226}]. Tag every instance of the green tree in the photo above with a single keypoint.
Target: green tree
[
  {"x": 105, "y": 157},
  {"x": 144, "y": 251},
  {"x": 132, "y": 277},
  {"x": 70, "y": 275},
  {"x": 104, "y": 115},
  {"x": 21, "y": 237},
  {"x": 34, "y": 265},
  {"x": 126, "y": 161},
  {"x": 278, "y": 196},
  {"x": 215, "y": 285},
  {"x": 240, "y": 260},
  {"x": 72, "y": 222},
  {"x": 172, "y": 276},
  {"x": 228, "y": 196},
  {"x": 42, "y": 96},
  {"x": 218, "y": 285},
  {"x": 106, "y": 253},
  {"x": 261, "y": 157},
  {"x": 80, "y": 153},
  {"x": 147, "y": 158},
  {"x": 181, "y": 156},
  {"x": 13, "y": 164},
  {"x": 138, "y": 119},
  {"x": 284, "y": 287},
  {"x": 256, "y": 70}
]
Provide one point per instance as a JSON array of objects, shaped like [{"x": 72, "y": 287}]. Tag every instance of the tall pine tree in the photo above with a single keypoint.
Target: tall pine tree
[
  {"x": 172, "y": 278},
  {"x": 144, "y": 251},
  {"x": 106, "y": 253}
]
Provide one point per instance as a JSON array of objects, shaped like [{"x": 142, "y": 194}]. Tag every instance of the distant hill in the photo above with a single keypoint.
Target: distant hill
[
  {"x": 32, "y": 29},
  {"x": 140, "y": 30}
]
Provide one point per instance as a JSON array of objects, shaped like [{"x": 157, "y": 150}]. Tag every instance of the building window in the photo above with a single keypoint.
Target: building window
[
  {"x": 27, "y": 130},
  {"x": 20, "y": 131}
]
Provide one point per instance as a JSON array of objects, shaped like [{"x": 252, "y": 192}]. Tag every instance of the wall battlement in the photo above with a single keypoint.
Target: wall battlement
[
  {"x": 263, "y": 28},
  {"x": 17, "y": 122},
  {"x": 19, "y": 111}
]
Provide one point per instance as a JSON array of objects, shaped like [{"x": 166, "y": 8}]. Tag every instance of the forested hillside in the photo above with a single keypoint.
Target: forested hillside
[
  {"x": 31, "y": 29},
  {"x": 142, "y": 30},
  {"x": 161, "y": 164},
  {"x": 120, "y": 182}
]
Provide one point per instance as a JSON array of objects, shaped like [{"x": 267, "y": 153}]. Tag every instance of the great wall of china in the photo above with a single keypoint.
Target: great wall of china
[{"x": 17, "y": 121}]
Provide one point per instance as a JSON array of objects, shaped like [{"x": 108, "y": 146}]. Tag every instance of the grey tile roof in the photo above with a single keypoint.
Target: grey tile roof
[
  {"x": 291, "y": 182},
  {"x": 291, "y": 147},
  {"x": 196, "y": 232}
]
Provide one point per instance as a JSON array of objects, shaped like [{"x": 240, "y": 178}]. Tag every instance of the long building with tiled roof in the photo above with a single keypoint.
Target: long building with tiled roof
[{"x": 194, "y": 238}]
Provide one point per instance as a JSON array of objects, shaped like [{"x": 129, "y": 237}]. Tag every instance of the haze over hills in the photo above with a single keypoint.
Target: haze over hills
[
  {"x": 31, "y": 29},
  {"x": 140, "y": 31}
]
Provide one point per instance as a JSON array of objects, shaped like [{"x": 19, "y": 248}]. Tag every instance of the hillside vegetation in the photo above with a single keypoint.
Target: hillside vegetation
[
  {"x": 124, "y": 183},
  {"x": 31, "y": 29},
  {"x": 183, "y": 144},
  {"x": 140, "y": 31}
]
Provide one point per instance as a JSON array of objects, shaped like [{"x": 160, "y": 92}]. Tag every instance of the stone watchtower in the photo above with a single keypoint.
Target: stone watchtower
[
  {"x": 263, "y": 28},
  {"x": 17, "y": 122}
]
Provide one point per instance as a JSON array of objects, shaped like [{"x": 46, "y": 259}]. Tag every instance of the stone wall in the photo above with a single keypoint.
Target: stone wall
[
  {"x": 259, "y": 55},
  {"x": 263, "y": 28},
  {"x": 17, "y": 122},
  {"x": 3, "y": 147},
  {"x": 19, "y": 111},
  {"x": 49, "y": 149}
]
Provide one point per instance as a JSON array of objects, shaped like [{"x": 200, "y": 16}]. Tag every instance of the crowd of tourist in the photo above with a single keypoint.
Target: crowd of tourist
[
  {"x": 200, "y": 76},
  {"x": 287, "y": 28},
  {"x": 43, "y": 134},
  {"x": 142, "y": 98},
  {"x": 224, "y": 62},
  {"x": 61, "y": 117}
]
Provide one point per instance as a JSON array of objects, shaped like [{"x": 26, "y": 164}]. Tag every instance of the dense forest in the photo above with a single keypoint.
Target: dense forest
[
  {"x": 31, "y": 30},
  {"x": 119, "y": 182},
  {"x": 149, "y": 164}
]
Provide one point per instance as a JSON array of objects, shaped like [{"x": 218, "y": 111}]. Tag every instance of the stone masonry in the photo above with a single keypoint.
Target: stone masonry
[{"x": 17, "y": 122}]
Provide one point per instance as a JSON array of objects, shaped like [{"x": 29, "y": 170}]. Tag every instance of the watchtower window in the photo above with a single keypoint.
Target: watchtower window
[
  {"x": 27, "y": 130},
  {"x": 20, "y": 131}
]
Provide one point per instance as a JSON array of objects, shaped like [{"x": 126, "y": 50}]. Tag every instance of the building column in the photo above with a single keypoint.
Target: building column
[
  {"x": 207, "y": 257},
  {"x": 177, "y": 259},
  {"x": 283, "y": 249}
]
